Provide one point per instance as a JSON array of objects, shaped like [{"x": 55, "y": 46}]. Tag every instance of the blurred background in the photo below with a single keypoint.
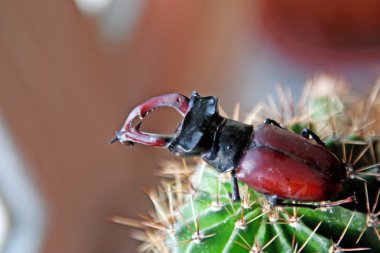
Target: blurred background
[{"x": 70, "y": 72}]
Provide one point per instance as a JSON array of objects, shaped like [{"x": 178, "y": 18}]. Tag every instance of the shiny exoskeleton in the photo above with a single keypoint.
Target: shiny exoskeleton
[{"x": 269, "y": 159}]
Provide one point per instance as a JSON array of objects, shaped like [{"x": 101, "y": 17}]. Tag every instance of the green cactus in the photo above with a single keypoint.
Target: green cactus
[{"x": 194, "y": 212}]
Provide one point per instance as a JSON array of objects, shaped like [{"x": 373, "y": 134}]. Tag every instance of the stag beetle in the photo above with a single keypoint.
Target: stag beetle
[{"x": 270, "y": 159}]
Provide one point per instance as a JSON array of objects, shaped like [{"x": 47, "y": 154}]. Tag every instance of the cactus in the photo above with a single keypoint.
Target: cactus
[{"x": 194, "y": 212}]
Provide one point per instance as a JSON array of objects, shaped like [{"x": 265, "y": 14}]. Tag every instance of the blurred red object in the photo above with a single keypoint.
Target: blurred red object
[{"x": 345, "y": 26}]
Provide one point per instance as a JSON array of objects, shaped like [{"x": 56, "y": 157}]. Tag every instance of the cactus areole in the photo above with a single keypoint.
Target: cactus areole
[{"x": 269, "y": 159}]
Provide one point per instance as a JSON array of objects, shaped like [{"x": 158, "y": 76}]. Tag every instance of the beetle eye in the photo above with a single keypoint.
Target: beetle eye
[{"x": 211, "y": 106}]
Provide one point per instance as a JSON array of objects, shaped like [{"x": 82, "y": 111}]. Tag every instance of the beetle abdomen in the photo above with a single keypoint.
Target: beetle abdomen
[{"x": 279, "y": 162}]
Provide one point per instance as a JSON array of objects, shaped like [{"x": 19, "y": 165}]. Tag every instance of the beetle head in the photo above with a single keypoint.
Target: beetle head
[
  {"x": 196, "y": 131},
  {"x": 193, "y": 136}
]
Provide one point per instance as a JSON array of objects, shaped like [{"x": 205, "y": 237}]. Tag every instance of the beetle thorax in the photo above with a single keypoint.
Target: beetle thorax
[{"x": 219, "y": 141}]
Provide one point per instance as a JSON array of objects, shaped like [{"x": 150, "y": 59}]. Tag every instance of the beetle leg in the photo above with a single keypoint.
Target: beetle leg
[
  {"x": 272, "y": 122},
  {"x": 274, "y": 201},
  {"x": 235, "y": 187},
  {"x": 307, "y": 133},
  {"x": 130, "y": 132}
]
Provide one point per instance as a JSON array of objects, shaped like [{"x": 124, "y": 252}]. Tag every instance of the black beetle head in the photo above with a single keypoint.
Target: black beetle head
[{"x": 195, "y": 133}]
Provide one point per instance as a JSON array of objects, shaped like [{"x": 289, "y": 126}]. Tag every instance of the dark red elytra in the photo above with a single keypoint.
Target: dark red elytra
[
  {"x": 281, "y": 163},
  {"x": 269, "y": 159}
]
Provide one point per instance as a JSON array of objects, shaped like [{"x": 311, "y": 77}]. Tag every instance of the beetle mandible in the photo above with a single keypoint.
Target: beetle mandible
[{"x": 270, "y": 159}]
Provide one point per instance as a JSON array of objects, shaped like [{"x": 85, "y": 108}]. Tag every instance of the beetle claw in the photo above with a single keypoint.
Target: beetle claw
[
  {"x": 114, "y": 139},
  {"x": 130, "y": 133}
]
